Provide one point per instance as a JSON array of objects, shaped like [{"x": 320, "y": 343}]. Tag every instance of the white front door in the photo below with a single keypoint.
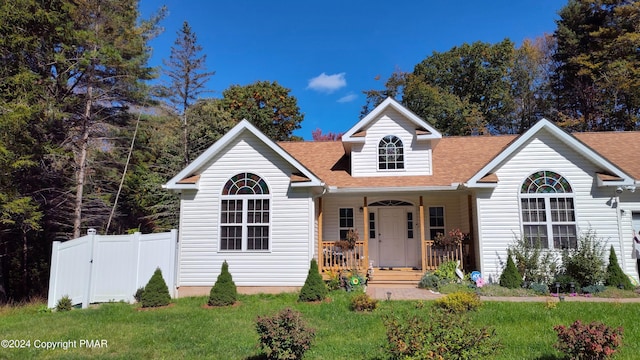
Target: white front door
[{"x": 392, "y": 237}]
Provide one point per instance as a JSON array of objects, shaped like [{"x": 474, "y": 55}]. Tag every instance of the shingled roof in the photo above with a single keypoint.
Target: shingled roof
[{"x": 455, "y": 159}]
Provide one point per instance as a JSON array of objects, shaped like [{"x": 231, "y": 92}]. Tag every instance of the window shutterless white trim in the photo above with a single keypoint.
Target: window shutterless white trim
[
  {"x": 245, "y": 215},
  {"x": 390, "y": 154},
  {"x": 346, "y": 221},
  {"x": 547, "y": 211},
  {"x": 434, "y": 218}
]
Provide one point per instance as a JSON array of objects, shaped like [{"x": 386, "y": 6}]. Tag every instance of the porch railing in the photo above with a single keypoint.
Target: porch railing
[
  {"x": 433, "y": 256},
  {"x": 334, "y": 258}
]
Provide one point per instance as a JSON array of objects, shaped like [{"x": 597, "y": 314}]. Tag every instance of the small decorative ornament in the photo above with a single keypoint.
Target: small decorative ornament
[
  {"x": 475, "y": 275},
  {"x": 480, "y": 282},
  {"x": 355, "y": 281}
]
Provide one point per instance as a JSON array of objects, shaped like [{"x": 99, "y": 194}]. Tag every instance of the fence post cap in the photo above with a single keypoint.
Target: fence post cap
[{"x": 91, "y": 231}]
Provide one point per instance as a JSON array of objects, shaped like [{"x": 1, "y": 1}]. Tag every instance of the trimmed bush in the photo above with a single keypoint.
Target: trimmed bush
[
  {"x": 224, "y": 291},
  {"x": 314, "y": 288},
  {"x": 64, "y": 304},
  {"x": 588, "y": 341},
  {"x": 362, "y": 302},
  {"x": 156, "y": 292},
  {"x": 459, "y": 302},
  {"x": 510, "y": 277},
  {"x": 284, "y": 335},
  {"x": 615, "y": 275},
  {"x": 437, "y": 335}
]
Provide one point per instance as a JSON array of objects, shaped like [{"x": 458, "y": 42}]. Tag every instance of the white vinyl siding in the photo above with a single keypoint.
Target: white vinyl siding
[
  {"x": 287, "y": 261},
  {"x": 499, "y": 216},
  {"x": 416, "y": 154}
]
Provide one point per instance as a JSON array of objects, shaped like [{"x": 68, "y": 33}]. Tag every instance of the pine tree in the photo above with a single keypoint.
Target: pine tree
[
  {"x": 615, "y": 276},
  {"x": 186, "y": 69},
  {"x": 314, "y": 288},
  {"x": 223, "y": 292},
  {"x": 156, "y": 292},
  {"x": 510, "y": 277}
]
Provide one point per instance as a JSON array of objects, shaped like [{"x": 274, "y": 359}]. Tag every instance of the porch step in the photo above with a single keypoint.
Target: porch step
[{"x": 399, "y": 276}]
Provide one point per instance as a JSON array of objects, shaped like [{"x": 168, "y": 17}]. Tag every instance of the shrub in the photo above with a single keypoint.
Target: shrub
[
  {"x": 430, "y": 281},
  {"x": 224, "y": 291},
  {"x": 156, "y": 292},
  {"x": 64, "y": 304},
  {"x": 585, "y": 263},
  {"x": 138, "y": 295},
  {"x": 334, "y": 281},
  {"x": 588, "y": 341},
  {"x": 459, "y": 302},
  {"x": 284, "y": 335},
  {"x": 615, "y": 276},
  {"x": 539, "y": 288},
  {"x": 314, "y": 288},
  {"x": 439, "y": 335},
  {"x": 362, "y": 302},
  {"x": 510, "y": 277},
  {"x": 593, "y": 289},
  {"x": 532, "y": 262},
  {"x": 565, "y": 283},
  {"x": 447, "y": 270}
]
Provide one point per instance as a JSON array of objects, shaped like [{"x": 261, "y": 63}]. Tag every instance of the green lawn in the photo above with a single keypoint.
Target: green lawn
[{"x": 186, "y": 330}]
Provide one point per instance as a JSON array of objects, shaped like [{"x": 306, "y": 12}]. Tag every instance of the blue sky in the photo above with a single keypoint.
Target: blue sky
[{"x": 328, "y": 52}]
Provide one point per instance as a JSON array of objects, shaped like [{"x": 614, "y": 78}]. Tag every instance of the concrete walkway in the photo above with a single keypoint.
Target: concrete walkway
[{"x": 398, "y": 292}]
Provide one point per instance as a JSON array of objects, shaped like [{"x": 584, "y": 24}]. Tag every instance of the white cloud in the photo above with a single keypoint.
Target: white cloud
[
  {"x": 348, "y": 98},
  {"x": 327, "y": 83}
]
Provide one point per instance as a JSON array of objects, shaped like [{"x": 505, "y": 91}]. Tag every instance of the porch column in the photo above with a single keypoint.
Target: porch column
[
  {"x": 365, "y": 214},
  {"x": 422, "y": 234},
  {"x": 320, "y": 254}
]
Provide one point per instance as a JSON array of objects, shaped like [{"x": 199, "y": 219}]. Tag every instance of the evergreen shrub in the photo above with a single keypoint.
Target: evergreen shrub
[
  {"x": 615, "y": 276},
  {"x": 156, "y": 292},
  {"x": 510, "y": 277},
  {"x": 314, "y": 288},
  {"x": 224, "y": 291}
]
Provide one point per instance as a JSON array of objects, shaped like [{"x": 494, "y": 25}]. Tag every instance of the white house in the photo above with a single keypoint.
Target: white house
[{"x": 268, "y": 208}]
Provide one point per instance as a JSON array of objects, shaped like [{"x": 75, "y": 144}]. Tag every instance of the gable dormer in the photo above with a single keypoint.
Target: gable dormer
[{"x": 390, "y": 141}]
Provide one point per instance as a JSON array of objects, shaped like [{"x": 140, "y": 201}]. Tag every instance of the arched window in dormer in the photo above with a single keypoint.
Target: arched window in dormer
[
  {"x": 244, "y": 214},
  {"x": 390, "y": 153},
  {"x": 548, "y": 211}
]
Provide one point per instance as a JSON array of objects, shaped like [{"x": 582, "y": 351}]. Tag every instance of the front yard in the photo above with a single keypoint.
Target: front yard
[{"x": 189, "y": 331}]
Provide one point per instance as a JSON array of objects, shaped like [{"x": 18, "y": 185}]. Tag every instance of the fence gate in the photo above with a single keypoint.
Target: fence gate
[{"x": 101, "y": 268}]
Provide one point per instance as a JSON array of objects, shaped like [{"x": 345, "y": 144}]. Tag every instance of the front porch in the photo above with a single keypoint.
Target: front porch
[
  {"x": 333, "y": 258},
  {"x": 384, "y": 226}
]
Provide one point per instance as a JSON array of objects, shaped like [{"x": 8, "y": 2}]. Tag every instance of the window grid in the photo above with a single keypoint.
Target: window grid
[
  {"x": 390, "y": 153},
  {"x": 409, "y": 225},
  {"x": 548, "y": 211},
  {"x": 346, "y": 222},
  {"x": 244, "y": 214},
  {"x": 436, "y": 221}
]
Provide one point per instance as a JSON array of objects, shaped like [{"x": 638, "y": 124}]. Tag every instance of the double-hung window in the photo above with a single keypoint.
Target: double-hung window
[
  {"x": 245, "y": 214},
  {"x": 548, "y": 211}
]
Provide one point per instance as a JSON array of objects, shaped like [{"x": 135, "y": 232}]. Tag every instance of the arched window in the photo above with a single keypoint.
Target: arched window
[
  {"x": 548, "y": 212},
  {"x": 390, "y": 153},
  {"x": 244, "y": 213}
]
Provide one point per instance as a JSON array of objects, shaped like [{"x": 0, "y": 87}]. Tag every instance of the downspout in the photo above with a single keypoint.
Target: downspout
[{"x": 623, "y": 255}]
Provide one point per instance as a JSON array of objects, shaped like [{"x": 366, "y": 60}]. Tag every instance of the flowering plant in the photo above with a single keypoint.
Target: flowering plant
[
  {"x": 480, "y": 282},
  {"x": 454, "y": 237}
]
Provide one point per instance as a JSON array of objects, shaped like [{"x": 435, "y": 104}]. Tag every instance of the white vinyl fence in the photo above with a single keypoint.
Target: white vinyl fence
[{"x": 101, "y": 268}]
